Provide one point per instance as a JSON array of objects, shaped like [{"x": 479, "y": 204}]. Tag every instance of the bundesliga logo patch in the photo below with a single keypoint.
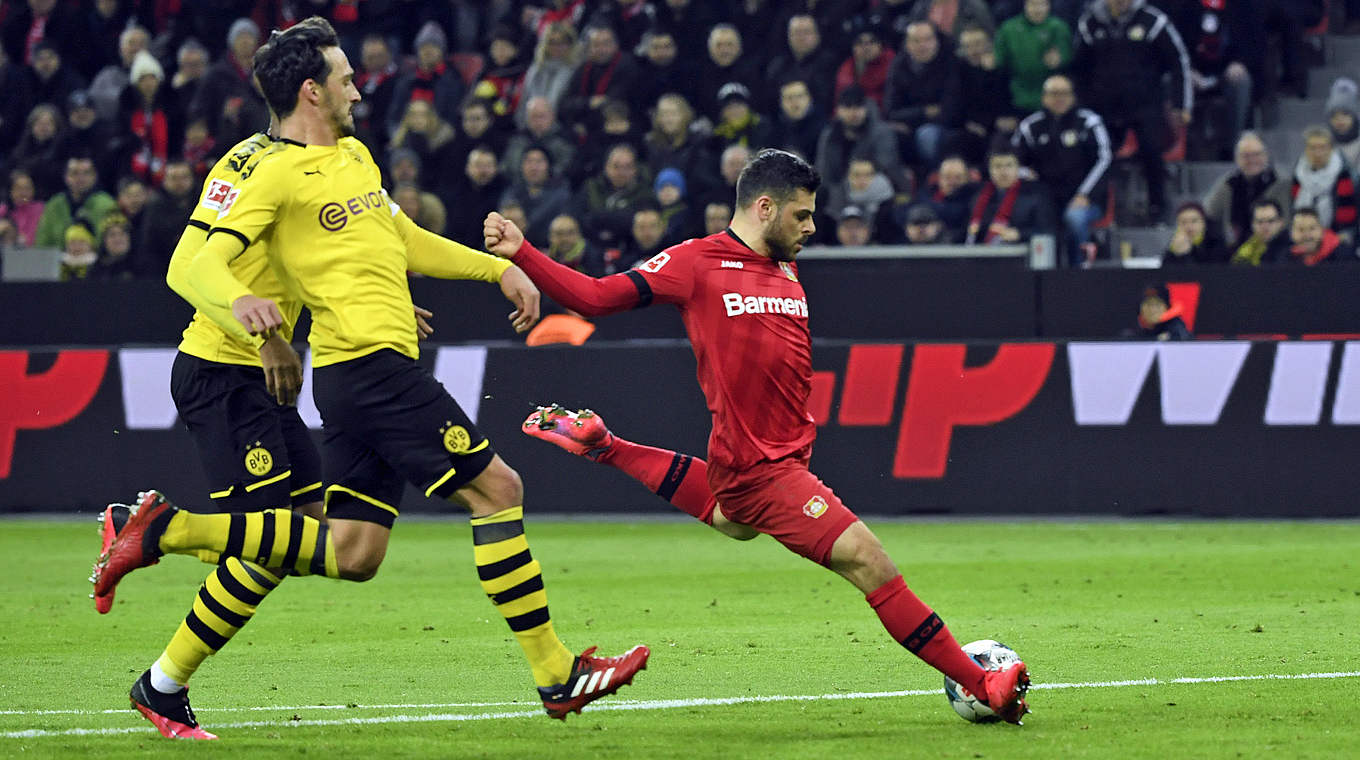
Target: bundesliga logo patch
[{"x": 815, "y": 507}]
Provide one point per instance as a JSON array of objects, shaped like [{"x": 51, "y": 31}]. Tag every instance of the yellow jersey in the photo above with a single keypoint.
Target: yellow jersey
[
  {"x": 338, "y": 242},
  {"x": 219, "y": 337}
]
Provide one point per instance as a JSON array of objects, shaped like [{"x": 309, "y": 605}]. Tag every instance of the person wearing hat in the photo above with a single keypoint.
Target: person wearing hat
[
  {"x": 852, "y": 227},
  {"x": 669, "y": 189},
  {"x": 1158, "y": 317},
  {"x": 106, "y": 89},
  {"x": 88, "y": 134},
  {"x": 432, "y": 80},
  {"x": 226, "y": 96},
  {"x": 143, "y": 119},
  {"x": 1343, "y": 118},
  {"x": 50, "y": 78},
  {"x": 923, "y": 225},
  {"x": 78, "y": 254},
  {"x": 737, "y": 120}
]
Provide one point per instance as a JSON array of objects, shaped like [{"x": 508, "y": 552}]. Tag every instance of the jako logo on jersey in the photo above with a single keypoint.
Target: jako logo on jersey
[
  {"x": 216, "y": 196},
  {"x": 655, "y": 263},
  {"x": 334, "y": 216},
  {"x": 815, "y": 507},
  {"x": 737, "y": 304},
  {"x": 733, "y": 265}
]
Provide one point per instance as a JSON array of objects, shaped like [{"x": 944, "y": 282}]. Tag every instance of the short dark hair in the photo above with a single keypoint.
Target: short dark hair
[
  {"x": 1268, "y": 203},
  {"x": 291, "y": 57},
  {"x": 1307, "y": 211},
  {"x": 778, "y": 174}
]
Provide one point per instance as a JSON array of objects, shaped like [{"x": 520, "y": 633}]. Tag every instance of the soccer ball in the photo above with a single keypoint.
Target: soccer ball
[{"x": 991, "y": 655}]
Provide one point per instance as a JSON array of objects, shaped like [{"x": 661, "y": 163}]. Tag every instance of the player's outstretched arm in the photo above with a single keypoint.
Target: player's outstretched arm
[{"x": 579, "y": 292}]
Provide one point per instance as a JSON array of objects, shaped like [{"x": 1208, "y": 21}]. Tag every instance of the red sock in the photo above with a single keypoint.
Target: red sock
[
  {"x": 913, "y": 624},
  {"x": 678, "y": 478}
]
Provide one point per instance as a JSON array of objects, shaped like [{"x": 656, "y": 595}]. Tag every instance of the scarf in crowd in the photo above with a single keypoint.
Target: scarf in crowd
[
  {"x": 1315, "y": 186},
  {"x": 1330, "y": 241},
  {"x": 1001, "y": 217}
]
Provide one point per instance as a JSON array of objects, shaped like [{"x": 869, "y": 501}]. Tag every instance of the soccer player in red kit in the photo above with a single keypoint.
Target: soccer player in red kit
[{"x": 747, "y": 320}]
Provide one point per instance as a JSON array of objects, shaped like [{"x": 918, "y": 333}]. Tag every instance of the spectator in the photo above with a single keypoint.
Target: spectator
[
  {"x": 806, "y": 60},
  {"x": 669, "y": 189},
  {"x": 1008, "y": 209},
  {"x": 423, "y": 132},
  {"x": 478, "y": 129},
  {"x": 106, "y": 89},
  {"x": 515, "y": 213},
  {"x": 853, "y": 228},
  {"x": 617, "y": 126},
  {"x": 864, "y": 187},
  {"x": 689, "y": 20},
  {"x": 200, "y": 149},
  {"x": 1230, "y": 199},
  {"x": 50, "y": 80},
  {"x": 555, "y": 60},
  {"x": 376, "y": 81},
  {"x": 717, "y": 215},
  {"x": 20, "y": 213},
  {"x": 800, "y": 120},
  {"x": 130, "y": 201},
  {"x": 607, "y": 72},
  {"x": 476, "y": 194},
  {"x": 646, "y": 238},
  {"x": 1195, "y": 241},
  {"x": 1123, "y": 48},
  {"x": 924, "y": 226},
  {"x": 568, "y": 246},
  {"x": 1313, "y": 244},
  {"x": 868, "y": 66},
  {"x": 631, "y": 18},
  {"x": 542, "y": 195},
  {"x": 924, "y": 91},
  {"x": 1343, "y": 118},
  {"x": 725, "y": 63},
  {"x": 1324, "y": 183},
  {"x": 115, "y": 245},
  {"x": 425, "y": 209},
  {"x": 163, "y": 221},
  {"x": 87, "y": 134},
  {"x": 737, "y": 122},
  {"x": 143, "y": 120},
  {"x": 1069, "y": 150},
  {"x": 664, "y": 70},
  {"x": 953, "y": 16},
  {"x": 504, "y": 72},
  {"x": 226, "y": 97},
  {"x": 1158, "y": 318},
  {"x": 81, "y": 198},
  {"x": 25, "y": 26},
  {"x": 404, "y": 168},
  {"x": 433, "y": 81},
  {"x": 78, "y": 253},
  {"x": 952, "y": 193},
  {"x": 891, "y": 17},
  {"x": 855, "y": 132},
  {"x": 986, "y": 112},
  {"x": 674, "y": 141},
  {"x": 99, "y": 27},
  {"x": 540, "y": 128},
  {"x": 1226, "y": 46},
  {"x": 191, "y": 66},
  {"x": 1030, "y": 47},
  {"x": 606, "y": 202},
  {"x": 39, "y": 151},
  {"x": 730, "y": 164},
  {"x": 1269, "y": 241}
]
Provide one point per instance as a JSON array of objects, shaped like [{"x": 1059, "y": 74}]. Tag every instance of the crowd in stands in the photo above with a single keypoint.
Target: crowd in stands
[{"x": 610, "y": 129}]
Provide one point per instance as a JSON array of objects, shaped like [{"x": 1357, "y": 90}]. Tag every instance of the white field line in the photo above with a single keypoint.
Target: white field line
[{"x": 618, "y": 704}]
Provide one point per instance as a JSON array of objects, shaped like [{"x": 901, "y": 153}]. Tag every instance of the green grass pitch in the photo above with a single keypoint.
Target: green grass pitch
[{"x": 1145, "y": 639}]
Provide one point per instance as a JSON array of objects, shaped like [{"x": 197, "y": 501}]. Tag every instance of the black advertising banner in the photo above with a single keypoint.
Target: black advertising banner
[{"x": 1212, "y": 428}]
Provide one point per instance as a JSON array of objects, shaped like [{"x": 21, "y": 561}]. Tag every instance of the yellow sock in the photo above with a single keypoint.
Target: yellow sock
[
  {"x": 513, "y": 580},
  {"x": 270, "y": 538},
  {"x": 226, "y": 602}
]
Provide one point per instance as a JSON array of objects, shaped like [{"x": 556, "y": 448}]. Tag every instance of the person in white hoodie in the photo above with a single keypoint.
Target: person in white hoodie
[{"x": 1343, "y": 117}]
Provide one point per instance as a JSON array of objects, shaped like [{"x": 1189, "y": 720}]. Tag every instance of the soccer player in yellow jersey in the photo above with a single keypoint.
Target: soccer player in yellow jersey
[{"x": 342, "y": 246}]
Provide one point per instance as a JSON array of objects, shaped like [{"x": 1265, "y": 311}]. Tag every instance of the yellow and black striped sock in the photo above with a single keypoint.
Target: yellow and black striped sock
[
  {"x": 226, "y": 602},
  {"x": 270, "y": 538},
  {"x": 513, "y": 580}
]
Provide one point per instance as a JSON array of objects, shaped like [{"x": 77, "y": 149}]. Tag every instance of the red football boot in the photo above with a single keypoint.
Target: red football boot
[
  {"x": 591, "y": 678},
  {"x": 1006, "y": 692},
  {"x": 135, "y": 545},
  {"x": 111, "y": 520},
  {"x": 169, "y": 713},
  {"x": 582, "y": 432}
]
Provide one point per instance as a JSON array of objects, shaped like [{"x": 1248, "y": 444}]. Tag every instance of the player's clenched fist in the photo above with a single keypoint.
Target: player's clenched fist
[{"x": 501, "y": 235}]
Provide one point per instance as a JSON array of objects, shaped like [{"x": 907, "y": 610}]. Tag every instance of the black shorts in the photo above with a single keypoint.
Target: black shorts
[
  {"x": 388, "y": 421},
  {"x": 256, "y": 453}
]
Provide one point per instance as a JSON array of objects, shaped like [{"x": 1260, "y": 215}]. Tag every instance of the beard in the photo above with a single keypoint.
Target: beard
[
  {"x": 782, "y": 245},
  {"x": 340, "y": 116}
]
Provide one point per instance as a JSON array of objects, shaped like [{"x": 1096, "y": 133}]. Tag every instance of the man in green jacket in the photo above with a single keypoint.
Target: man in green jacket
[
  {"x": 1032, "y": 46},
  {"x": 80, "y": 199}
]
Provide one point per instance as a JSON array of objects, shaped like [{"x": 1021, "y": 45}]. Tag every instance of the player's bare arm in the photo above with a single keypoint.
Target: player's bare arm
[
  {"x": 521, "y": 292},
  {"x": 282, "y": 369}
]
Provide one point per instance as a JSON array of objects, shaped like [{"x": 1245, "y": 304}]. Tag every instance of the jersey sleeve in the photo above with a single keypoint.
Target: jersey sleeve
[
  {"x": 247, "y": 212},
  {"x": 579, "y": 292},
  {"x": 438, "y": 256},
  {"x": 669, "y": 275}
]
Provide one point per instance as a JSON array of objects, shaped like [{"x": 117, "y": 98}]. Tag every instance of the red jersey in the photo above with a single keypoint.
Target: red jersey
[{"x": 747, "y": 320}]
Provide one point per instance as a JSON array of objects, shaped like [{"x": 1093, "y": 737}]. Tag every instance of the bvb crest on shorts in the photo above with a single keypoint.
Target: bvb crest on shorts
[
  {"x": 456, "y": 438},
  {"x": 258, "y": 460},
  {"x": 815, "y": 507}
]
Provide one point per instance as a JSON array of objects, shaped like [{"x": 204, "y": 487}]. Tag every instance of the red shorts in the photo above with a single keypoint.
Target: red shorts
[{"x": 785, "y": 500}]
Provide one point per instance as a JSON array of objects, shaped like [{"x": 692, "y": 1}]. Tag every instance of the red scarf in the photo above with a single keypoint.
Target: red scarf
[
  {"x": 1001, "y": 217},
  {"x": 151, "y": 128},
  {"x": 1330, "y": 240},
  {"x": 602, "y": 86}
]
